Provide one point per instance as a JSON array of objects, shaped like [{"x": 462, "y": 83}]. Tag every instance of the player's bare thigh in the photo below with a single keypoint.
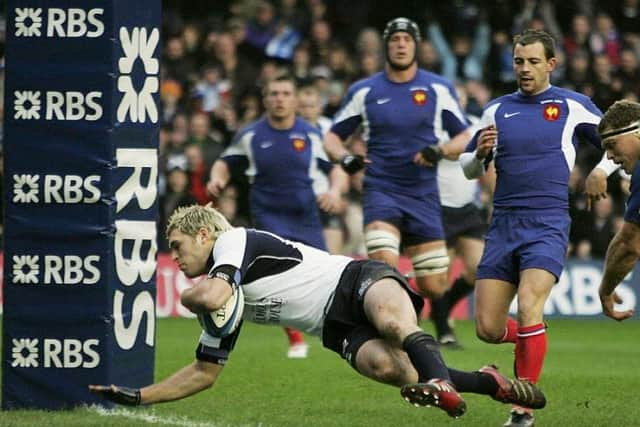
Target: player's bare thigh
[{"x": 492, "y": 301}]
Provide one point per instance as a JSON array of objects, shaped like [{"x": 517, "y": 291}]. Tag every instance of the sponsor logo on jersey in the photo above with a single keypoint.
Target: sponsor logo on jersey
[
  {"x": 419, "y": 97},
  {"x": 551, "y": 112}
]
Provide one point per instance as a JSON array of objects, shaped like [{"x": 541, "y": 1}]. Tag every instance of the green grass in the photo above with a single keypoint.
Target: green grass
[{"x": 591, "y": 374}]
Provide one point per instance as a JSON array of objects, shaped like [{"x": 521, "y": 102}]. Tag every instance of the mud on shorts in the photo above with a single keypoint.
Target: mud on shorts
[{"x": 346, "y": 327}]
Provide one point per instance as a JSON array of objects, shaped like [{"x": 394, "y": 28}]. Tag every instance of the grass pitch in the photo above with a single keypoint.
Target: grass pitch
[{"x": 591, "y": 375}]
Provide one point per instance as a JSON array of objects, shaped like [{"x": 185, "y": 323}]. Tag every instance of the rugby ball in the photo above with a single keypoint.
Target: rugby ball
[{"x": 223, "y": 321}]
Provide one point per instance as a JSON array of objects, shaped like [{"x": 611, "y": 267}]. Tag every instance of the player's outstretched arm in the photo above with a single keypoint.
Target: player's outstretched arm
[
  {"x": 189, "y": 380},
  {"x": 622, "y": 255}
]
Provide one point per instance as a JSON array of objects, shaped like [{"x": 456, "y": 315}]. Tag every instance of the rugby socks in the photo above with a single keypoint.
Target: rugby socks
[
  {"x": 531, "y": 347},
  {"x": 294, "y": 335},
  {"x": 424, "y": 353},
  {"x": 510, "y": 332},
  {"x": 473, "y": 382},
  {"x": 460, "y": 289}
]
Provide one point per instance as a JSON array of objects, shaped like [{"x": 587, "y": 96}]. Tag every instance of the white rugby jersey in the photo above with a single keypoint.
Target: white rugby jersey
[
  {"x": 284, "y": 282},
  {"x": 455, "y": 189}
]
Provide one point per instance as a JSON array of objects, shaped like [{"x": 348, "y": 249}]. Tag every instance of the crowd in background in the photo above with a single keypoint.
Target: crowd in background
[{"x": 217, "y": 55}]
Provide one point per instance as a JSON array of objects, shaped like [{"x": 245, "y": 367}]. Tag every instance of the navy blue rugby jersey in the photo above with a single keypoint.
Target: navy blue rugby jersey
[
  {"x": 398, "y": 120},
  {"x": 281, "y": 164},
  {"x": 536, "y": 146}
]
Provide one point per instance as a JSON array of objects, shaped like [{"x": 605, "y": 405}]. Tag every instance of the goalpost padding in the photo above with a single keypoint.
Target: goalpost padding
[{"x": 80, "y": 147}]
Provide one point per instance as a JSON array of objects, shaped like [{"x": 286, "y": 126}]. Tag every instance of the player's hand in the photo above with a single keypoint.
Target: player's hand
[
  {"x": 608, "y": 301},
  {"x": 121, "y": 395},
  {"x": 331, "y": 202},
  {"x": 595, "y": 186},
  {"x": 215, "y": 187},
  {"x": 429, "y": 156},
  {"x": 353, "y": 163},
  {"x": 486, "y": 141}
]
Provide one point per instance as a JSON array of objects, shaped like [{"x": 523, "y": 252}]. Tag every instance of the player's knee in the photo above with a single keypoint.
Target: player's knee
[
  {"x": 487, "y": 331},
  {"x": 384, "y": 368},
  {"x": 377, "y": 241},
  {"x": 431, "y": 263},
  {"x": 393, "y": 329}
]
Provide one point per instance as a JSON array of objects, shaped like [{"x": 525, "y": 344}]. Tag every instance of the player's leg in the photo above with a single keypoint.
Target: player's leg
[
  {"x": 531, "y": 345},
  {"x": 492, "y": 301},
  {"x": 496, "y": 279},
  {"x": 430, "y": 262},
  {"x": 382, "y": 240},
  {"x": 470, "y": 251},
  {"x": 541, "y": 262},
  {"x": 388, "y": 306}
]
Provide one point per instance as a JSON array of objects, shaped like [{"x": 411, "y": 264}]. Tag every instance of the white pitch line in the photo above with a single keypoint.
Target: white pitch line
[{"x": 150, "y": 418}]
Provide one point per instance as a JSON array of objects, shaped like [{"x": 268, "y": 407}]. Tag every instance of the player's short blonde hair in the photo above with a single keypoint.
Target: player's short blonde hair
[{"x": 190, "y": 219}]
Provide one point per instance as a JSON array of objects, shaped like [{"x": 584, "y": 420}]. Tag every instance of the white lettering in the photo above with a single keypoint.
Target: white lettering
[
  {"x": 92, "y": 269},
  {"x": 128, "y": 269},
  {"x": 142, "y": 304},
  {"x": 70, "y": 353},
  {"x": 97, "y": 23},
  {"x": 52, "y": 187},
  {"x": 75, "y": 24},
  {"x": 73, "y": 105},
  {"x": 138, "y": 159},
  {"x": 72, "y": 189},
  {"x": 55, "y": 101},
  {"x": 52, "y": 267},
  {"x": 72, "y": 356},
  {"x": 94, "y": 356},
  {"x": 54, "y": 22},
  {"x": 52, "y": 349}
]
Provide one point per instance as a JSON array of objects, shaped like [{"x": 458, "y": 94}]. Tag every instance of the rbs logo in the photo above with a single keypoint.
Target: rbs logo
[
  {"x": 57, "y": 270},
  {"x": 71, "y": 105},
  {"x": 66, "y": 353},
  {"x": 56, "y": 189},
  {"x": 72, "y": 22}
]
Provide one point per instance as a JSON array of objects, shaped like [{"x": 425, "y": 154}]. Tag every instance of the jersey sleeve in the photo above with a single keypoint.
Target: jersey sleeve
[
  {"x": 632, "y": 213},
  {"x": 214, "y": 349},
  {"x": 318, "y": 153},
  {"x": 453, "y": 118},
  {"x": 230, "y": 255},
  {"x": 588, "y": 118},
  {"x": 238, "y": 153},
  {"x": 350, "y": 115}
]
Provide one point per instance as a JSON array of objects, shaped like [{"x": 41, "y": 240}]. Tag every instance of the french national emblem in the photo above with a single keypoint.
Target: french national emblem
[
  {"x": 551, "y": 112},
  {"x": 298, "y": 144},
  {"x": 419, "y": 97}
]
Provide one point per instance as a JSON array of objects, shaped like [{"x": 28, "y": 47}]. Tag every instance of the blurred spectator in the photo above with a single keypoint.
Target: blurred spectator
[
  {"x": 238, "y": 71},
  {"x": 321, "y": 39},
  {"x": 262, "y": 26},
  {"x": 211, "y": 89},
  {"x": 176, "y": 64},
  {"x": 601, "y": 228},
  {"x": 170, "y": 96},
  {"x": 177, "y": 195},
  {"x": 578, "y": 40},
  {"x": 200, "y": 134},
  {"x": 198, "y": 173},
  {"x": 605, "y": 39}
]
